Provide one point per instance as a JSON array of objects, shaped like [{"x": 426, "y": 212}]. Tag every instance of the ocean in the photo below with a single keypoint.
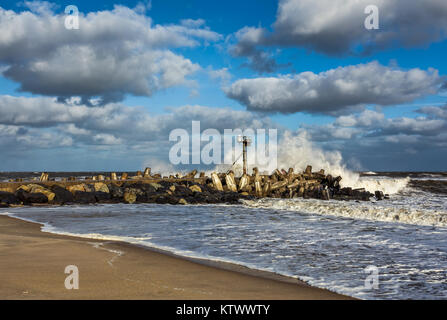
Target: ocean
[{"x": 328, "y": 244}]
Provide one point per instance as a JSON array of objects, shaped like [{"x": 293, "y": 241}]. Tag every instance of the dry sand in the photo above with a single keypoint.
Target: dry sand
[{"x": 32, "y": 265}]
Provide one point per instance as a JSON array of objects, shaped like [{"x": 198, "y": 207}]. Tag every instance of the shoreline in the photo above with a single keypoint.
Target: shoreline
[{"x": 33, "y": 261}]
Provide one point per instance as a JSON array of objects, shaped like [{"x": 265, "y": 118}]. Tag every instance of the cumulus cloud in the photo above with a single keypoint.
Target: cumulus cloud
[
  {"x": 335, "y": 90},
  {"x": 113, "y": 53},
  {"x": 336, "y": 27},
  {"x": 370, "y": 123},
  {"x": 384, "y": 143},
  {"x": 433, "y": 111},
  {"x": 222, "y": 75},
  {"x": 248, "y": 38},
  {"x": 116, "y": 124}
]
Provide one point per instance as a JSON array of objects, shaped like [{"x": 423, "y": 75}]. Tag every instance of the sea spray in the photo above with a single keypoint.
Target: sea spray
[{"x": 297, "y": 151}]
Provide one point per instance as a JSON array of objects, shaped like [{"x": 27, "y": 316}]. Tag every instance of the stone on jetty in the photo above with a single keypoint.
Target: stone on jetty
[
  {"x": 216, "y": 182},
  {"x": 243, "y": 182},
  {"x": 84, "y": 197},
  {"x": 217, "y": 188},
  {"x": 62, "y": 196},
  {"x": 8, "y": 198},
  {"x": 35, "y": 188},
  {"x": 231, "y": 183},
  {"x": 75, "y": 188},
  {"x": 308, "y": 170},
  {"x": 195, "y": 188},
  {"x": 101, "y": 187},
  {"x": 44, "y": 177},
  {"x": 191, "y": 175},
  {"x": 379, "y": 195},
  {"x": 130, "y": 197}
]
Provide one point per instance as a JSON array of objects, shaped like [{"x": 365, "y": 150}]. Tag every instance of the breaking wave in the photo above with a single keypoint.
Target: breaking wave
[
  {"x": 417, "y": 211},
  {"x": 297, "y": 151}
]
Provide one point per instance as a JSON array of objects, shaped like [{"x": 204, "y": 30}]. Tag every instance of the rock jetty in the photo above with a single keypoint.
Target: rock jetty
[{"x": 145, "y": 187}]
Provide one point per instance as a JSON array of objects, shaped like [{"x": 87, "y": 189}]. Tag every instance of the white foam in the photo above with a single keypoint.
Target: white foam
[
  {"x": 375, "y": 211},
  {"x": 386, "y": 185}
]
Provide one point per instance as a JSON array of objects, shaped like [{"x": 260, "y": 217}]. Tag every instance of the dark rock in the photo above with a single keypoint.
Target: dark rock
[
  {"x": 379, "y": 195},
  {"x": 8, "y": 198},
  {"x": 183, "y": 191},
  {"x": 102, "y": 196},
  {"x": 35, "y": 198},
  {"x": 231, "y": 197},
  {"x": 29, "y": 198},
  {"x": 116, "y": 192},
  {"x": 135, "y": 190},
  {"x": 62, "y": 195},
  {"x": 365, "y": 196},
  {"x": 142, "y": 198},
  {"x": 162, "y": 199},
  {"x": 347, "y": 191},
  {"x": 84, "y": 197}
]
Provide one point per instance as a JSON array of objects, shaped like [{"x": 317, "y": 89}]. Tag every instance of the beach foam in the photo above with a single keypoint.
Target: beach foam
[{"x": 375, "y": 211}]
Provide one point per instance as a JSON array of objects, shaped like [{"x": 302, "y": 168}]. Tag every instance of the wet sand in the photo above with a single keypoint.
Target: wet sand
[{"x": 32, "y": 265}]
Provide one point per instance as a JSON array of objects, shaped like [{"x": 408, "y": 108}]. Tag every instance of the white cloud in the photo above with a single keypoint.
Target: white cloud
[
  {"x": 116, "y": 124},
  {"x": 113, "y": 53},
  {"x": 335, "y": 90},
  {"x": 336, "y": 27}
]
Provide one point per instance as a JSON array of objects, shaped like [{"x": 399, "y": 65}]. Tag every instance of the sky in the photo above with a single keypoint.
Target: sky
[{"x": 105, "y": 96}]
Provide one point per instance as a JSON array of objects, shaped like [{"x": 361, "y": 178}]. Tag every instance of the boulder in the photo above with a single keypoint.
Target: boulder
[
  {"x": 183, "y": 191},
  {"x": 195, "y": 188},
  {"x": 130, "y": 197},
  {"x": 379, "y": 195},
  {"x": 216, "y": 181},
  {"x": 101, "y": 187},
  {"x": 89, "y": 187},
  {"x": 30, "y": 198},
  {"x": 84, "y": 197},
  {"x": 35, "y": 188},
  {"x": 166, "y": 199},
  {"x": 308, "y": 170},
  {"x": 156, "y": 186},
  {"x": 8, "y": 198},
  {"x": 182, "y": 201},
  {"x": 102, "y": 196},
  {"x": 116, "y": 192},
  {"x": 62, "y": 195},
  {"x": 76, "y": 188}
]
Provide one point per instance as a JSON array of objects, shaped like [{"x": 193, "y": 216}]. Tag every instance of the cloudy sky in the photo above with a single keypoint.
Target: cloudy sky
[{"x": 107, "y": 95}]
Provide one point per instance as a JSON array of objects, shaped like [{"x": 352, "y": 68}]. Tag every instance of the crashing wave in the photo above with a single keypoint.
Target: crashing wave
[{"x": 386, "y": 212}]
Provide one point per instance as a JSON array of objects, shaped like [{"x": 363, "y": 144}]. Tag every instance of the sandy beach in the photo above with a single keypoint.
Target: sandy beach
[{"x": 32, "y": 265}]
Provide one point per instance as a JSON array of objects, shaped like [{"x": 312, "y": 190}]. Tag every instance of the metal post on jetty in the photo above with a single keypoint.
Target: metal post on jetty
[{"x": 246, "y": 141}]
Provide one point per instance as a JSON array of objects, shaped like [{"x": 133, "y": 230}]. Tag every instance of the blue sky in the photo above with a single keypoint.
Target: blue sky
[{"x": 382, "y": 109}]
